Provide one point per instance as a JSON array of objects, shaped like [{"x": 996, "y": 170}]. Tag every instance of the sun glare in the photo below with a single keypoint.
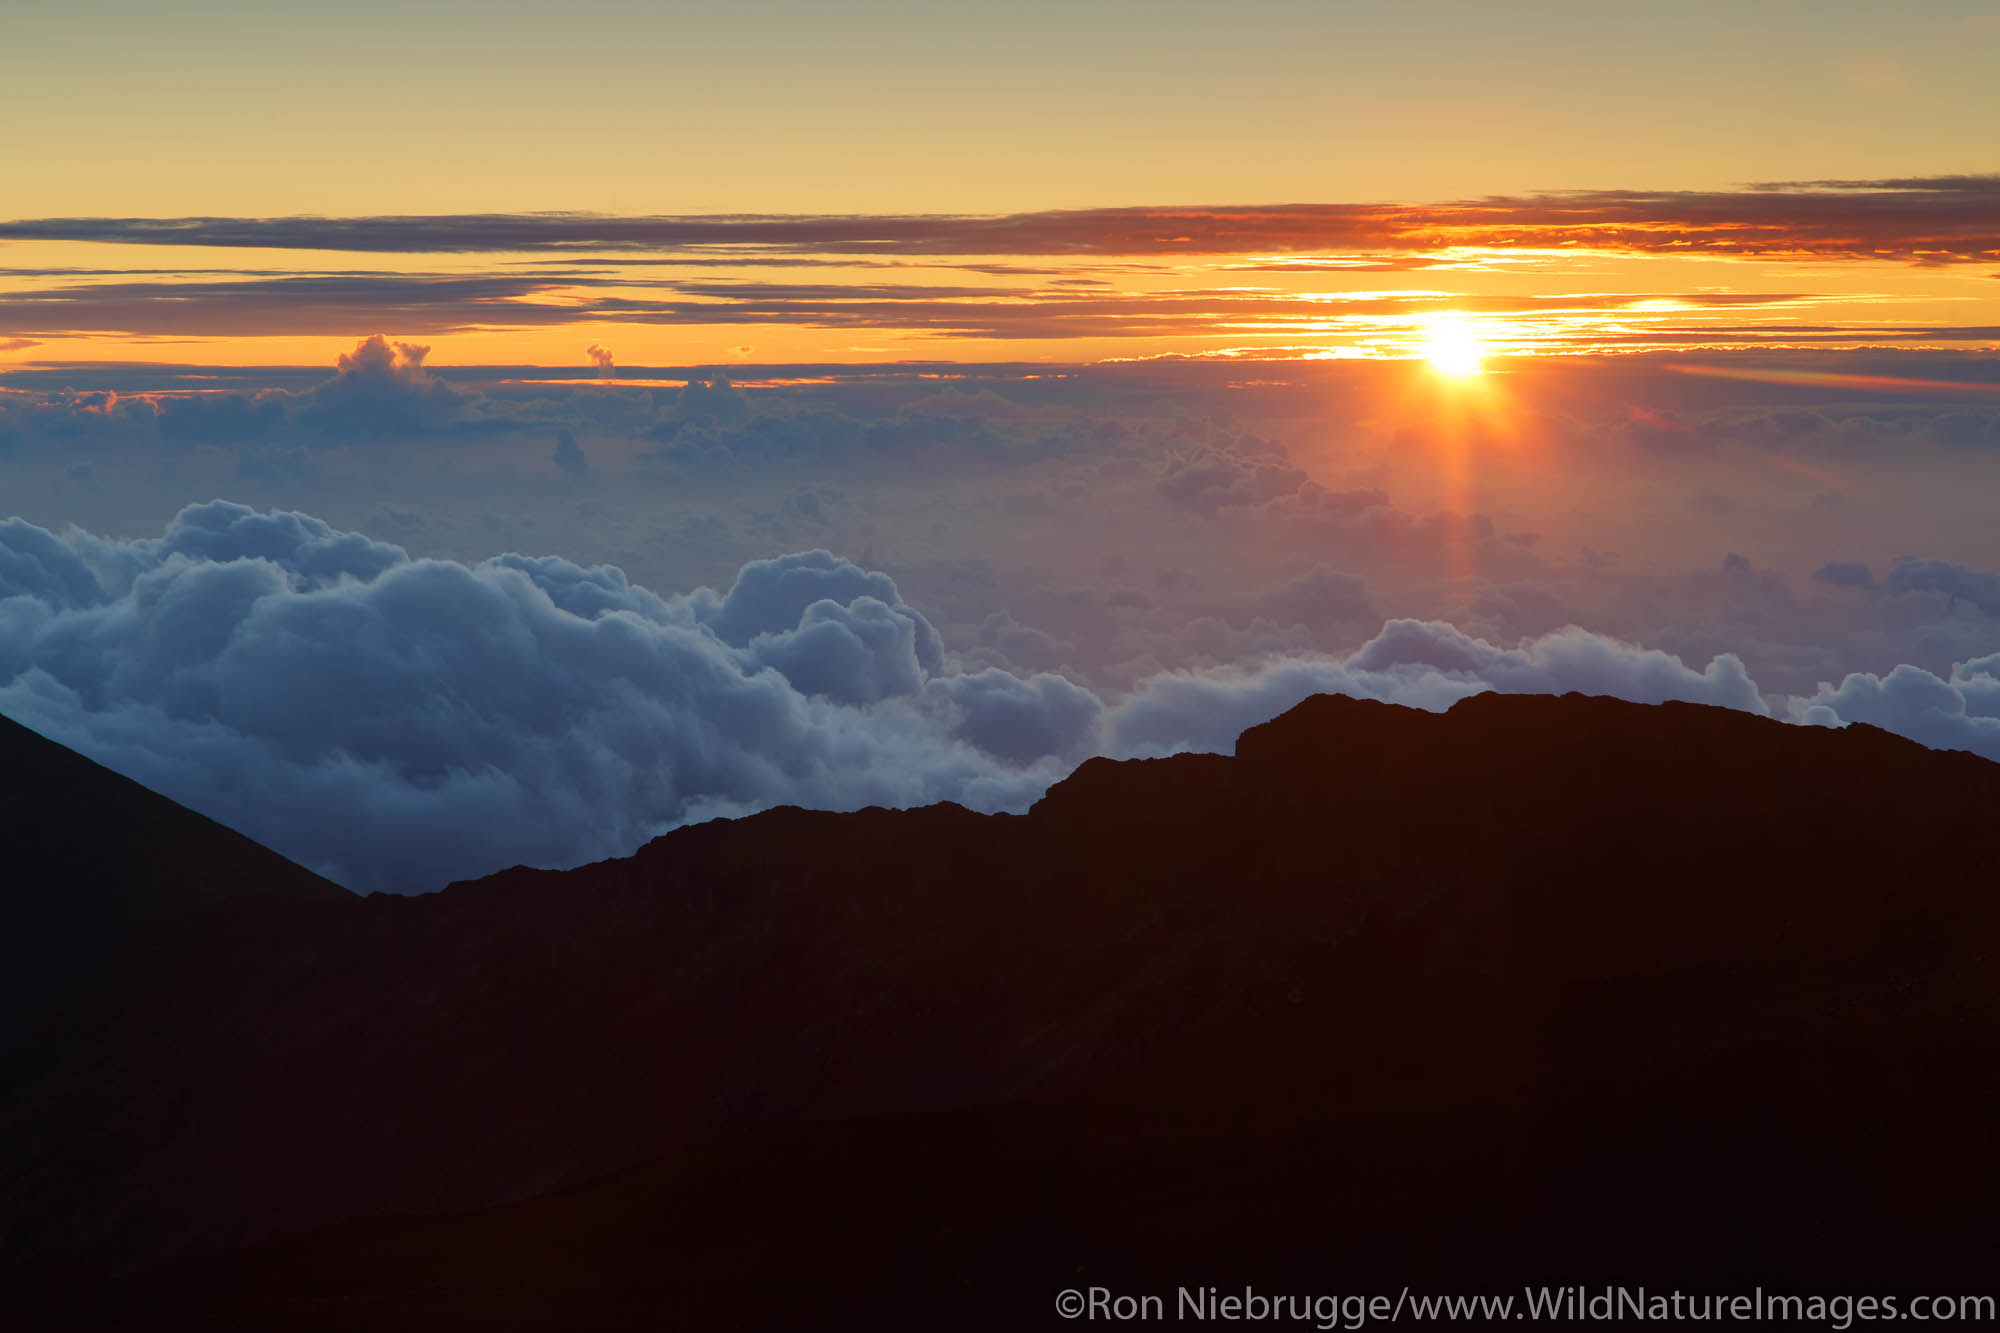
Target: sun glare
[{"x": 1453, "y": 347}]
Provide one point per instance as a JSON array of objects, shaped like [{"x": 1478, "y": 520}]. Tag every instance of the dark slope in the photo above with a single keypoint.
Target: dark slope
[
  {"x": 1562, "y": 990},
  {"x": 92, "y": 862}
]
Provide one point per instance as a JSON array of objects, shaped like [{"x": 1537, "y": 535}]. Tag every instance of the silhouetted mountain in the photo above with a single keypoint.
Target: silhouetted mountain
[
  {"x": 94, "y": 862},
  {"x": 1538, "y": 990}
]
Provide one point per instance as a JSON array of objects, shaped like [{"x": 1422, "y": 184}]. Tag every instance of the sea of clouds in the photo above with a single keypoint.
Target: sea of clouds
[{"x": 398, "y": 722}]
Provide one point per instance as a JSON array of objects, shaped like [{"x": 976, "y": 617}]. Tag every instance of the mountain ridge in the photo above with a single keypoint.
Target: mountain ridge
[
  {"x": 1486, "y": 938},
  {"x": 73, "y": 897}
]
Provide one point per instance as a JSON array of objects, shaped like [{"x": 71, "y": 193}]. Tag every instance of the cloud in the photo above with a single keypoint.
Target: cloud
[
  {"x": 1934, "y": 219},
  {"x": 332, "y": 303},
  {"x": 380, "y": 389},
  {"x": 569, "y": 455},
  {"x": 1166, "y": 414},
  {"x": 1252, "y": 473},
  {"x": 1976, "y": 588},
  {"x": 601, "y": 355},
  {"x": 399, "y": 722},
  {"x": 1022, "y": 719},
  {"x": 1208, "y": 479},
  {"x": 1956, "y": 584},
  {"x": 1960, "y": 711},
  {"x": 1426, "y": 664},
  {"x": 1168, "y": 467},
  {"x": 349, "y": 303},
  {"x": 378, "y": 358},
  {"x": 1845, "y": 574},
  {"x": 1109, "y": 523},
  {"x": 1320, "y": 596}
]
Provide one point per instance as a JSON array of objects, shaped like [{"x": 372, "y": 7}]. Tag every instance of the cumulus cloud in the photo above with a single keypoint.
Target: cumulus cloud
[
  {"x": 1425, "y": 664},
  {"x": 1208, "y": 479},
  {"x": 380, "y": 389},
  {"x": 1960, "y": 711},
  {"x": 1252, "y": 516},
  {"x": 398, "y": 722}
]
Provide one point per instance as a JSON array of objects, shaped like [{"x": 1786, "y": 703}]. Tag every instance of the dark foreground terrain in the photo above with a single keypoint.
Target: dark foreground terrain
[{"x": 1560, "y": 991}]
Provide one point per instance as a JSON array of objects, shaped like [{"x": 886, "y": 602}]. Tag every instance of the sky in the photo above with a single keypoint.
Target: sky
[
  {"x": 437, "y": 436},
  {"x": 280, "y": 108}
]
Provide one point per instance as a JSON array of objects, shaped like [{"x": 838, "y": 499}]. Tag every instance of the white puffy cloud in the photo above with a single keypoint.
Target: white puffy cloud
[
  {"x": 397, "y": 722},
  {"x": 1425, "y": 664},
  {"x": 1956, "y": 712},
  {"x": 769, "y": 597},
  {"x": 381, "y": 389}
]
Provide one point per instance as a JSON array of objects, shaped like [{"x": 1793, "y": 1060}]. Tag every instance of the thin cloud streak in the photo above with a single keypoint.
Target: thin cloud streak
[
  {"x": 1924, "y": 220},
  {"x": 434, "y": 304}
]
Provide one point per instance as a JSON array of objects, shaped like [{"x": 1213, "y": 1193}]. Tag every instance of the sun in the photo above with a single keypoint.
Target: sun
[{"x": 1453, "y": 346}]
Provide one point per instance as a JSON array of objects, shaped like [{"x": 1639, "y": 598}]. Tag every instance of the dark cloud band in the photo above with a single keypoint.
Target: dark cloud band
[{"x": 1941, "y": 219}]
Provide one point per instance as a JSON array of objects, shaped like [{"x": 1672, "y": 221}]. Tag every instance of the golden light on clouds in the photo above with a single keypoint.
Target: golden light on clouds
[{"x": 1844, "y": 267}]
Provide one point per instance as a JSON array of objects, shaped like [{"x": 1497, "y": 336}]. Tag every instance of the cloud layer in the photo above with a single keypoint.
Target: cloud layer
[
  {"x": 254, "y": 305},
  {"x": 1299, "y": 279},
  {"x": 1118, "y": 521},
  {"x": 1934, "y": 219},
  {"x": 399, "y": 722}
]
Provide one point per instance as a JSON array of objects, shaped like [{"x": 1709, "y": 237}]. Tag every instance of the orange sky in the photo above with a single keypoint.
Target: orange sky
[
  {"x": 170, "y": 304},
  {"x": 1445, "y": 129}
]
